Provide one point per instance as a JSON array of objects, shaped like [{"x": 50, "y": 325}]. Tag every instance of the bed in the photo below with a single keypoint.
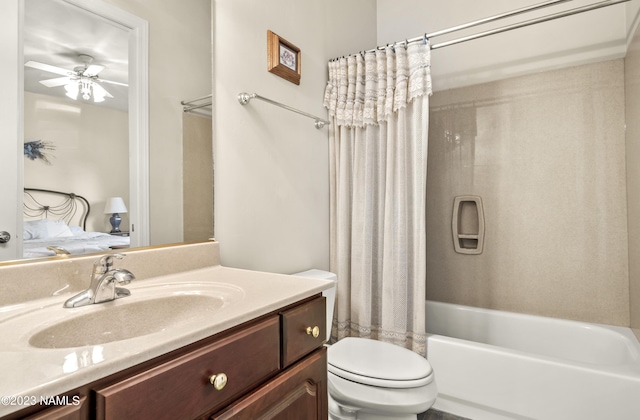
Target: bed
[{"x": 55, "y": 222}]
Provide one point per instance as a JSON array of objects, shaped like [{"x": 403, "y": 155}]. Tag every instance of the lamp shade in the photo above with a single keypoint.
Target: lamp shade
[{"x": 115, "y": 205}]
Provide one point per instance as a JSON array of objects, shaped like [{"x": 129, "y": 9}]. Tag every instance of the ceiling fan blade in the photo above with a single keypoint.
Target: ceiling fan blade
[
  {"x": 58, "y": 81},
  {"x": 49, "y": 68},
  {"x": 112, "y": 82},
  {"x": 100, "y": 91},
  {"x": 93, "y": 70}
]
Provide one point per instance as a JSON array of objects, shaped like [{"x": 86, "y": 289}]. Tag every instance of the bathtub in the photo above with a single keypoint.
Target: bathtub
[{"x": 500, "y": 365}]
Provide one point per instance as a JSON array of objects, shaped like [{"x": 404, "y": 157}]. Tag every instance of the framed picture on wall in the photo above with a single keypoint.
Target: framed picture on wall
[{"x": 283, "y": 58}]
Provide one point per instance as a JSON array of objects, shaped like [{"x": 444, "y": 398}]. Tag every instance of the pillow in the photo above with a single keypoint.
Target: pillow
[
  {"x": 58, "y": 229},
  {"x": 76, "y": 230},
  {"x": 34, "y": 229},
  {"x": 45, "y": 229}
]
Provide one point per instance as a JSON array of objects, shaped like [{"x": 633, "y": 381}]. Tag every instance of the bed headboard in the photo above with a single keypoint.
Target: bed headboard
[{"x": 57, "y": 205}]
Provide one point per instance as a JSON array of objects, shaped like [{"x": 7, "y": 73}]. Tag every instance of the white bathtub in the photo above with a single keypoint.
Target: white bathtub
[{"x": 501, "y": 365}]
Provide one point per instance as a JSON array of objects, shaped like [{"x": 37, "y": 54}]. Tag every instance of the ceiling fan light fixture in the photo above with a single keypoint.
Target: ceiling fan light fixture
[
  {"x": 85, "y": 88},
  {"x": 99, "y": 93},
  {"x": 72, "y": 89},
  {"x": 82, "y": 79}
]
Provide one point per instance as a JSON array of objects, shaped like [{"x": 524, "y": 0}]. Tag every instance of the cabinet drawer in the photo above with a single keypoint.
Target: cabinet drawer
[
  {"x": 77, "y": 408},
  {"x": 297, "y": 330},
  {"x": 181, "y": 388}
]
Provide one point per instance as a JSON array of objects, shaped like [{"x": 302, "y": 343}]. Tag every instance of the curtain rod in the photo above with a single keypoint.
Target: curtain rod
[
  {"x": 570, "y": 12},
  {"x": 244, "y": 98},
  {"x": 493, "y": 18}
]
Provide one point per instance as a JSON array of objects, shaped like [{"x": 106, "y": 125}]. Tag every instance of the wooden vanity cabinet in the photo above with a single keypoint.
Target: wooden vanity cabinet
[{"x": 273, "y": 368}]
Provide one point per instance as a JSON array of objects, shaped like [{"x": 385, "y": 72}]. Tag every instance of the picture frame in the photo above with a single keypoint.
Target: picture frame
[{"x": 283, "y": 58}]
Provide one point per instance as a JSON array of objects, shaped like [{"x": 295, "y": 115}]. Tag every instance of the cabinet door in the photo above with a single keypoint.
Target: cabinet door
[
  {"x": 298, "y": 393},
  {"x": 181, "y": 388}
]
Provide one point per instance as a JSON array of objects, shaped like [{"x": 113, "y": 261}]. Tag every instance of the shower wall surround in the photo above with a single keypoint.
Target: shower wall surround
[
  {"x": 632, "y": 108},
  {"x": 546, "y": 152}
]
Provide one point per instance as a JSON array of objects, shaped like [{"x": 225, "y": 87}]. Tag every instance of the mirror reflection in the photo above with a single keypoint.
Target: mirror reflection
[
  {"x": 88, "y": 146},
  {"x": 76, "y": 128}
]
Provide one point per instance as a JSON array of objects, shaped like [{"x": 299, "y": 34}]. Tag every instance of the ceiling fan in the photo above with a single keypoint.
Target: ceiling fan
[{"x": 82, "y": 79}]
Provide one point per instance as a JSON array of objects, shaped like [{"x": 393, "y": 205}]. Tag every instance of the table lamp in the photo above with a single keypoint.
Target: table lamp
[{"x": 114, "y": 206}]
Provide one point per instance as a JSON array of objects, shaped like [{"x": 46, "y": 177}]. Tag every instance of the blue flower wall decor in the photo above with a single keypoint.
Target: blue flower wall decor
[{"x": 36, "y": 149}]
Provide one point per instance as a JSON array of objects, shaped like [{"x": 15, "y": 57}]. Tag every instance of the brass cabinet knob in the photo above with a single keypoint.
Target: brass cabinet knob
[
  {"x": 218, "y": 381},
  {"x": 315, "y": 331}
]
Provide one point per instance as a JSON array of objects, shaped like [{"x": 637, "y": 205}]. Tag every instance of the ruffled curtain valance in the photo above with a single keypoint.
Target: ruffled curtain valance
[{"x": 366, "y": 89}]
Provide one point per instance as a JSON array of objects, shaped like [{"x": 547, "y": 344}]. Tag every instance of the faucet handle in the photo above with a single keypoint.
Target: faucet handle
[{"x": 104, "y": 263}]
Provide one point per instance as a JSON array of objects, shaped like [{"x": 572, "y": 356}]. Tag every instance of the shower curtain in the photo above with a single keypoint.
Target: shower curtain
[{"x": 378, "y": 104}]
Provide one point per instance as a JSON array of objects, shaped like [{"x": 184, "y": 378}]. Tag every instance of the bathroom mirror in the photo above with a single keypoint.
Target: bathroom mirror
[
  {"x": 178, "y": 45},
  {"x": 94, "y": 121},
  {"x": 100, "y": 134}
]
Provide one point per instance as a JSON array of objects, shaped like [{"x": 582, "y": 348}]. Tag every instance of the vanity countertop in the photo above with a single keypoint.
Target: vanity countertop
[{"x": 38, "y": 372}]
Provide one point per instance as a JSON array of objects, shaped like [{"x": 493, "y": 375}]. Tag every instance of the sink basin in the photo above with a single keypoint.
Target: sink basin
[
  {"x": 122, "y": 322},
  {"x": 151, "y": 309}
]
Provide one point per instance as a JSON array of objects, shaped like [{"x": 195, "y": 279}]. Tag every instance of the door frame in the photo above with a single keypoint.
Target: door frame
[{"x": 11, "y": 126}]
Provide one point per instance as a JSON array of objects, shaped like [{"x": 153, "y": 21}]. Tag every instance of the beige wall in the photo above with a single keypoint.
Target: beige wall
[
  {"x": 271, "y": 165},
  {"x": 632, "y": 101},
  {"x": 546, "y": 153},
  {"x": 179, "y": 69},
  {"x": 90, "y": 156},
  {"x": 197, "y": 169}
]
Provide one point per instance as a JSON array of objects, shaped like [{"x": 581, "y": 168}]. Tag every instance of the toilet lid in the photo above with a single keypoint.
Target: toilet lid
[{"x": 376, "y": 363}]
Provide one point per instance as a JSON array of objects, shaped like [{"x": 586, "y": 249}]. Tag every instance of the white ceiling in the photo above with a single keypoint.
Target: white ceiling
[
  {"x": 592, "y": 36},
  {"x": 56, "y": 32}
]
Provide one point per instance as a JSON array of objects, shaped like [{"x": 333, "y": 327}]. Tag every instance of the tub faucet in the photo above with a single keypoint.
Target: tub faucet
[{"x": 103, "y": 283}]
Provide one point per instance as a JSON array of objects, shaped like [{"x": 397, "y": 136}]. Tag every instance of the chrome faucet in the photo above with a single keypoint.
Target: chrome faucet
[
  {"x": 103, "y": 283},
  {"x": 58, "y": 250}
]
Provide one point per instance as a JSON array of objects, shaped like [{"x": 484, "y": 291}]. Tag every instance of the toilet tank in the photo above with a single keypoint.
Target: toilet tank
[{"x": 330, "y": 293}]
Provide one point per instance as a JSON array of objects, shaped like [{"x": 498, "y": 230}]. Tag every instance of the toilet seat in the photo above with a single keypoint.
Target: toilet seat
[{"x": 376, "y": 363}]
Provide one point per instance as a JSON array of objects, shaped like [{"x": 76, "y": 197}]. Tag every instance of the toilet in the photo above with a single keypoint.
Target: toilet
[{"x": 373, "y": 380}]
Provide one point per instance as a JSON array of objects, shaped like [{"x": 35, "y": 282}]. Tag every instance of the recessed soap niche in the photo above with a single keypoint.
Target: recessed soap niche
[{"x": 467, "y": 224}]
